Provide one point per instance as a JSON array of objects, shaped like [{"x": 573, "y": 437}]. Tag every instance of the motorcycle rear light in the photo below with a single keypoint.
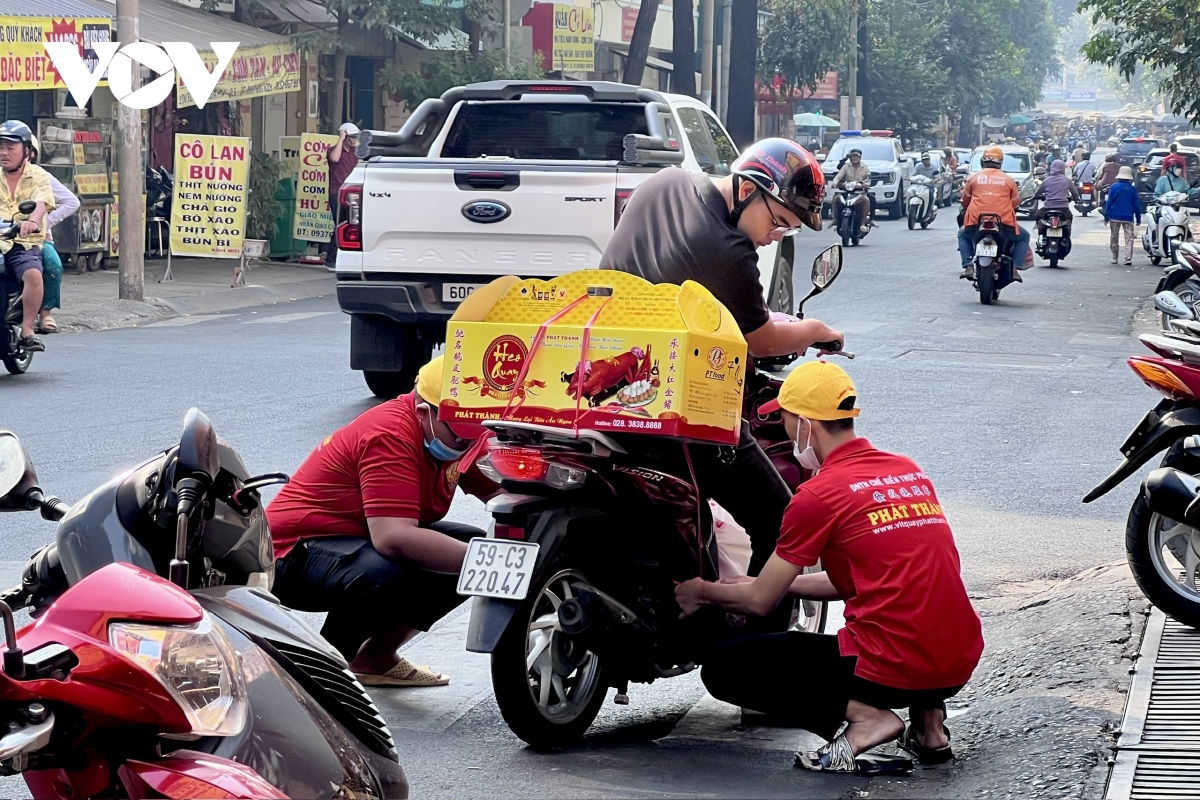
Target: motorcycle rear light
[
  {"x": 509, "y": 531},
  {"x": 198, "y": 666},
  {"x": 989, "y": 226},
  {"x": 489, "y": 472},
  {"x": 518, "y": 463},
  {"x": 1161, "y": 379},
  {"x": 349, "y": 232}
]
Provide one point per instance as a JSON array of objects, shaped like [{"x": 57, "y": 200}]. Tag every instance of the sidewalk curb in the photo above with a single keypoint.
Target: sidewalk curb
[{"x": 231, "y": 299}]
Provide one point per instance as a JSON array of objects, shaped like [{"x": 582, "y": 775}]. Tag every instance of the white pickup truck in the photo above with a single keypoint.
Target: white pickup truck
[{"x": 520, "y": 178}]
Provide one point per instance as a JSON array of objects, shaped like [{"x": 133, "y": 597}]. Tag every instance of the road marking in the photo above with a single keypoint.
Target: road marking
[
  {"x": 283, "y": 318},
  {"x": 178, "y": 322}
]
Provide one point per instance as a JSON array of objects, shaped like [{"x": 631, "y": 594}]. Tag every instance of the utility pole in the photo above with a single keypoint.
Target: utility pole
[
  {"x": 707, "y": 8},
  {"x": 130, "y": 177},
  {"x": 852, "y": 69}
]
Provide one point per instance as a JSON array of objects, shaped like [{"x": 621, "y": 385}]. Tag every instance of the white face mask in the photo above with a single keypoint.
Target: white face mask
[{"x": 807, "y": 457}]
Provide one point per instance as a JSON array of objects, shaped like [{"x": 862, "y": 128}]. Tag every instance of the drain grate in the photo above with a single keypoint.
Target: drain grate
[{"x": 1158, "y": 753}]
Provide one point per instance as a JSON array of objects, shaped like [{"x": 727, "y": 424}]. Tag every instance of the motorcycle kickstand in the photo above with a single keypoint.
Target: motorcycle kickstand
[{"x": 621, "y": 698}]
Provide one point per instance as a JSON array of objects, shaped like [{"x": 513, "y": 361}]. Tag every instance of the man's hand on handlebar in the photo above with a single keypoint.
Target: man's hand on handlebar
[
  {"x": 29, "y": 227},
  {"x": 779, "y": 338}
]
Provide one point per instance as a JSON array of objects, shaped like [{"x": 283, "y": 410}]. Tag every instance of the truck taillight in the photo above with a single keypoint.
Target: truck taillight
[
  {"x": 621, "y": 201},
  {"x": 349, "y": 231}
]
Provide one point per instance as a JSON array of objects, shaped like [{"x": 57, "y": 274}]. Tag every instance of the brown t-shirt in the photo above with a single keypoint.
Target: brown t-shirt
[
  {"x": 676, "y": 228},
  {"x": 340, "y": 170}
]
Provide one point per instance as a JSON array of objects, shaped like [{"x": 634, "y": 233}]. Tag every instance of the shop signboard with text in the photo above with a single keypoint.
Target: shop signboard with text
[
  {"x": 24, "y": 63},
  {"x": 208, "y": 208},
  {"x": 252, "y": 72},
  {"x": 313, "y": 220},
  {"x": 565, "y": 35}
]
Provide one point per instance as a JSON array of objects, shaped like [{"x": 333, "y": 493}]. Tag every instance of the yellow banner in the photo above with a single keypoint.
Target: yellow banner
[
  {"x": 91, "y": 183},
  {"x": 574, "y": 48},
  {"x": 23, "y": 60},
  {"x": 313, "y": 220},
  {"x": 208, "y": 209},
  {"x": 252, "y": 72},
  {"x": 289, "y": 155}
]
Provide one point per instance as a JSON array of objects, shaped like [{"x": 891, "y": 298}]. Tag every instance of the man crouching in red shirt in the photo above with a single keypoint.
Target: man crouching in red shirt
[
  {"x": 358, "y": 531},
  {"x": 911, "y": 639}
]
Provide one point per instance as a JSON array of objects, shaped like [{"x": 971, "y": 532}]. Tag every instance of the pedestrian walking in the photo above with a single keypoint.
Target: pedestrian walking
[
  {"x": 1122, "y": 208},
  {"x": 65, "y": 204}
]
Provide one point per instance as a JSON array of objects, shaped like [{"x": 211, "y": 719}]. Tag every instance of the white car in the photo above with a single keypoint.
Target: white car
[{"x": 882, "y": 153}]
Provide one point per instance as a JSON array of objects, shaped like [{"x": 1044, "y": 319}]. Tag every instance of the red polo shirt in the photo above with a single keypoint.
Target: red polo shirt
[
  {"x": 874, "y": 521},
  {"x": 376, "y": 466}
]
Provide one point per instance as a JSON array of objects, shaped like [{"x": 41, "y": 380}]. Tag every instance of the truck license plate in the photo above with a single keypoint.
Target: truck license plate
[
  {"x": 497, "y": 568},
  {"x": 457, "y": 292}
]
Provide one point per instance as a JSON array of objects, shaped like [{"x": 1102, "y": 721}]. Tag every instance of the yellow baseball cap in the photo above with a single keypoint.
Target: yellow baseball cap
[
  {"x": 816, "y": 390},
  {"x": 429, "y": 388}
]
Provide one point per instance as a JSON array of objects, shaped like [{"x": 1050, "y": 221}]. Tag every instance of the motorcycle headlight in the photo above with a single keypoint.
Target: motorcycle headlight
[{"x": 198, "y": 666}]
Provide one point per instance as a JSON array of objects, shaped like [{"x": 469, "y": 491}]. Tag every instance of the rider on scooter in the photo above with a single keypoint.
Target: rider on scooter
[
  {"x": 681, "y": 227},
  {"x": 855, "y": 171},
  {"x": 926, "y": 169},
  {"x": 1058, "y": 191},
  {"x": 991, "y": 191}
]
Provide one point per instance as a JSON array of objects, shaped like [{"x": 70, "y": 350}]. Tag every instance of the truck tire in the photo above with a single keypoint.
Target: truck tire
[{"x": 386, "y": 384}]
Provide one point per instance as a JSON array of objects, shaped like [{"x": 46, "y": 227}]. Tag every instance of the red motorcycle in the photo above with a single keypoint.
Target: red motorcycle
[
  {"x": 577, "y": 594},
  {"x": 103, "y": 691},
  {"x": 1162, "y": 537}
]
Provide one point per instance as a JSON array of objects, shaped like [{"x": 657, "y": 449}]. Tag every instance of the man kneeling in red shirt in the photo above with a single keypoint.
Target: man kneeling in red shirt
[
  {"x": 911, "y": 639},
  {"x": 359, "y": 532}
]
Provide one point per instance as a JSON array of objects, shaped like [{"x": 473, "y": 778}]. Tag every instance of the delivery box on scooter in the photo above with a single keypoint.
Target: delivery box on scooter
[{"x": 600, "y": 350}]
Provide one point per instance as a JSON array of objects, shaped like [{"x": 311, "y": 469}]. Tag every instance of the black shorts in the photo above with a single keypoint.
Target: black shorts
[
  {"x": 804, "y": 679},
  {"x": 19, "y": 260},
  {"x": 365, "y": 592}
]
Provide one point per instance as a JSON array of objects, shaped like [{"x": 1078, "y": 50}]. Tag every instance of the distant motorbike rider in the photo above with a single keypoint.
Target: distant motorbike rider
[
  {"x": 1171, "y": 181},
  {"x": 1108, "y": 172},
  {"x": 949, "y": 158},
  {"x": 991, "y": 191},
  {"x": 1174, "y": 159},
  {"x": 854, "y": 170},
  {"x": 1058, "y": 191},
  {"x": 926, "y": 169},
  {"x": 22, "y": 257},
  {"x": 1085, "y": 170},
  {"x": 678, "y": 227}
]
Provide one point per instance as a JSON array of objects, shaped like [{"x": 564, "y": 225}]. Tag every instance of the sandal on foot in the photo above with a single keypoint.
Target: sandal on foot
[
  {"x": 910, "y": 740},
  {"x": 32, "y": 344},
  {"x": 405, "y": 673},
  {"x": 838, "y": 756},
  {"x": 46, "y": 325}
]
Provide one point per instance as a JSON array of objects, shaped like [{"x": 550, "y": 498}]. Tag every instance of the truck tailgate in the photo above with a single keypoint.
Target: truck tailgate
[{"x": 472, "y": 217}]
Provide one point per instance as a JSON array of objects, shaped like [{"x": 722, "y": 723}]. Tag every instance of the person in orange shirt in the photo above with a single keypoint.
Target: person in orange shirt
[{"x": 991, "y": 191}]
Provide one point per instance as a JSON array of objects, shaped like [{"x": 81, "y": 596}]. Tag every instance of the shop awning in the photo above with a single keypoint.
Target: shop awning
[
  {"x": 167, "y": 21},
  {"x": 453, "y": 39},
  {"x": 651, "y": 61},
  {"x": 55, "y": 8}
]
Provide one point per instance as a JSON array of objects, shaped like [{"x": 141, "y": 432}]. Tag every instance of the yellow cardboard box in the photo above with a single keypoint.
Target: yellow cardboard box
[{"x": 660, "y": 359}]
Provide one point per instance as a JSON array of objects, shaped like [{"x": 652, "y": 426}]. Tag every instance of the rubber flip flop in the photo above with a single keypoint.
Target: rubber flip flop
[
  {"x": 405, "y": 673},
  {"x": 32, "y": 344}
]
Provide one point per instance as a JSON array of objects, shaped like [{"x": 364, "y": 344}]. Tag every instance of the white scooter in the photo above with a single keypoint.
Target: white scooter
[
  {"x": 1167, "y": 226},
  {"x": 920, "y": 200}
]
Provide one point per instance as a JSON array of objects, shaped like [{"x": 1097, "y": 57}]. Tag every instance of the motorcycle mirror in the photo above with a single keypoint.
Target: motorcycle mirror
[
  {"x": 198, "y": 456},
  {"x": 17, "y": 475},
  {"x": 826, "y": 267},
  {"x": 27, "y": 208},
  {"x": 1170, "y": 304}
]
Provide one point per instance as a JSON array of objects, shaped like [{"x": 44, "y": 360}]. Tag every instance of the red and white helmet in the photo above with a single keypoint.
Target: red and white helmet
[{"x": 788, "y": 173}]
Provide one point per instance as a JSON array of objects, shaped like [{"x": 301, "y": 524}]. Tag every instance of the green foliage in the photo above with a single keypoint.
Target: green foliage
[
  {"x": 455, "y": 68},
  {"x": 908, "y": 81},
  {"x": 262, "y": 209},
  {"x": 803, "y": 40},
  {"x": 1019, "y": 84},
  {"x": 1155, "y": 36}
]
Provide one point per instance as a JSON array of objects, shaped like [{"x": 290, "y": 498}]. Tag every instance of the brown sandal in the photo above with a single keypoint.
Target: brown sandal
[{"x": 46, "y": 325}]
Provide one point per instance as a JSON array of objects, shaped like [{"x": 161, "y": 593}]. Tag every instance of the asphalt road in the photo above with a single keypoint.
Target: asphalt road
[{"x": 1014, "y": 410}]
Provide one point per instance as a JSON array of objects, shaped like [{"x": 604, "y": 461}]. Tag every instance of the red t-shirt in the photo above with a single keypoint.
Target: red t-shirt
[
  {"x": 376, "y": 466},
  {"x": 874, "y": 521}
]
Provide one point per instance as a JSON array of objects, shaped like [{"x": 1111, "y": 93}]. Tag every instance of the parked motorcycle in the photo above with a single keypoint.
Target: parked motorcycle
[
  {"x": 847, "y": 207},
  {"x": 590, "y": 537},
  {"x": 1087, "y": 199},
  {"x": 1162, "y": 536},
  {"x": 115, "y": 689},
  {"x": 160, "y": 187},
  {"x": 1054, "y": 235},
  {"x": 16, "y": 358},
  {"x": 921, "y": 201},
  {"x": 993, "y": 258},
  {"x": 1167, "y": 226},
  {"x": 193, "y": 514},
  {"x": 1177, "y": 295}
]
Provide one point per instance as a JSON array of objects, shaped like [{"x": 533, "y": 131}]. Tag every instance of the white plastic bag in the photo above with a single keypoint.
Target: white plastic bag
[{"x": 733, "y": 544}]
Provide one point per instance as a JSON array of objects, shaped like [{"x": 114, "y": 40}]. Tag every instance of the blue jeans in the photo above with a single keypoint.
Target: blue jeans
[{"x": 967, "y": 251}]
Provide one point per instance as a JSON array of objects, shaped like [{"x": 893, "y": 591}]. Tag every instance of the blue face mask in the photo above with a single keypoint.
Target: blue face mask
[{"x": 440, "y": 450}]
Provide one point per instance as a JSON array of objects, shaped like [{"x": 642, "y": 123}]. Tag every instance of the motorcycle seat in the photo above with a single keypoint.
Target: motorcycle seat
[{"x": 1187, "y": 326}]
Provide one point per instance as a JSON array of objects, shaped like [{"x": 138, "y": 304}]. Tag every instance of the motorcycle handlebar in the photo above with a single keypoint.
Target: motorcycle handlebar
[{"x": 833, "y": 349}]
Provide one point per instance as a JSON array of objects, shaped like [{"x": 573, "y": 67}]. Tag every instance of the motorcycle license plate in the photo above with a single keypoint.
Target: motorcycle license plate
[
  {"x": 1086, "y": 196},
  {"x": 497, "y": 568},
  {"x": 986, "y": 250},
  {"x": 1054, "y": 232}
]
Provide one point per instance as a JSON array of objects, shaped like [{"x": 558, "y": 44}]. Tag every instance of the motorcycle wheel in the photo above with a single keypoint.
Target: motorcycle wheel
[
  {"x": 1184, "y": 291},
  {"x": 1155, "y": 260},
  {"x": 1054, "y": 261},
  {"x": 912, "y": 217},
  {"x": 548, "y": 687},
  {"x": 855, "y": 241},
  {"x": 18, "y": 365},
  {"x": 845, "y": 240},
  {"x": 924, "y": 225},
  {"x": 986, "y": 278},
  {"x": 1163, "y": 556}
]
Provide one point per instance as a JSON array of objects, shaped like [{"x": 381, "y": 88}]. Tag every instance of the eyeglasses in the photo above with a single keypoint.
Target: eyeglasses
[{"x": 788, "y": 230}]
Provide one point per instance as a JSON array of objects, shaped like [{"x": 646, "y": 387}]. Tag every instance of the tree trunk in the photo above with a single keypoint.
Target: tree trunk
[
  {"x": 336, "y": 107},
  {"x": 743, "y": 58},
  {"x": 474, "y": 33},
  {"x": 683, "y": 37},
  {"x": 639, "y": 45}
]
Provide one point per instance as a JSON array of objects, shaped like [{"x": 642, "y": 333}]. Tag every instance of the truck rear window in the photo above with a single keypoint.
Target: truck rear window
[{"x": 544, "y": 131}]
